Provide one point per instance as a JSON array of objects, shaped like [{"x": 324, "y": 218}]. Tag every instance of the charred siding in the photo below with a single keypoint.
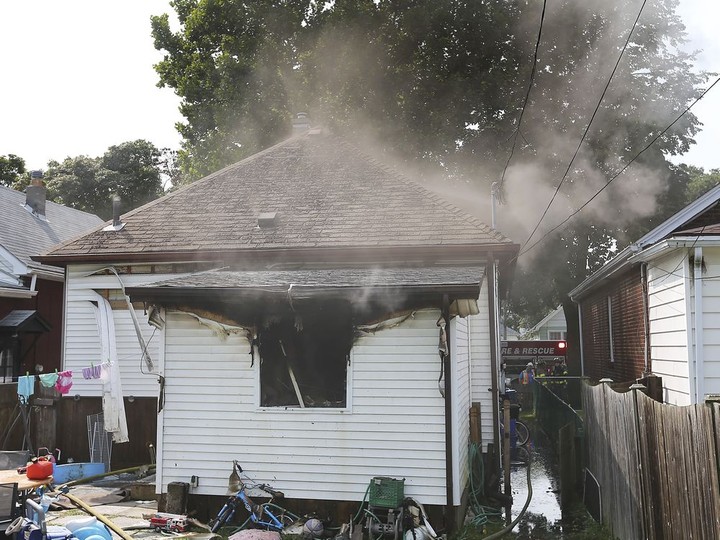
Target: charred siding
[{"x": 628, "y": 330}]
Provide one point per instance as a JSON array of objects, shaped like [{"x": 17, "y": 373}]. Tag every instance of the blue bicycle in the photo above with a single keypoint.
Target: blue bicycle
[{"x": 267, "y": 515}]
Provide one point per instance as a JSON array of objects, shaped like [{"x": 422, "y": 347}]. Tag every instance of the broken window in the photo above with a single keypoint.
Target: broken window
[{"x": 304, "y": 357}]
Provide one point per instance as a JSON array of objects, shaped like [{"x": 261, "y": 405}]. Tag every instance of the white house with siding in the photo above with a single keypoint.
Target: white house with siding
[
  {"x": 291, "y": 307},
  {"x": 677, "y": 267},
  {"x": 551, "y": 327}
]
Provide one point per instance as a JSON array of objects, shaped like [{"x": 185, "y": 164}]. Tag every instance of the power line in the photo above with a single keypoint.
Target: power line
[
  {"x": 653, "y": 141},
  {"x": 527, "y": 94},
  {"x": 587, "y": 128}
]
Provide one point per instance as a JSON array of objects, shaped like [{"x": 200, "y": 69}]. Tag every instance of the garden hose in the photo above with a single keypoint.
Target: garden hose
[
  {"x": 522, "y": 512},
  {"x": 483, "y": 514}
]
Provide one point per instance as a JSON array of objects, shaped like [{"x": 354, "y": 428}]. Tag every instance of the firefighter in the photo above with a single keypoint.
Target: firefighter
[{"x": 527, "y": 375}]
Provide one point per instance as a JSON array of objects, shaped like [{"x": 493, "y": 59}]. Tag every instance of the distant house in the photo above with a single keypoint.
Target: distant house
[
  {"x": 551, "y": 327},
  {"x": 508, "y": 333},
  {"x": 31, "y": 293},
  {"x": 308, "y": 311},
  {"x": 652, "y": 309}
]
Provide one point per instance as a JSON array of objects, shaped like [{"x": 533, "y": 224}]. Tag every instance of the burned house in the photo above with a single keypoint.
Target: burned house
[{"x": 307, "y": 311}]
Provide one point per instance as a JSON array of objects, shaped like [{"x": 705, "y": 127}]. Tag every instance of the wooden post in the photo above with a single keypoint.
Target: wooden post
[
  {"x": 44, "y": 424},
  {"x": 475, "y": 433}
]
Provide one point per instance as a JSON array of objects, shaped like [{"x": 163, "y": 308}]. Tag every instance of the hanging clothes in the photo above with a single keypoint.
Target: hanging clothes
[
  {"x": 64, "y": 382},
  {"x": 112, "y": 395},
  {"x": 48, "y": 380},
  {"x": 26, "y": 387},
  {"x": 105, "y": 372},
  {"x": 92, "y": 372}
]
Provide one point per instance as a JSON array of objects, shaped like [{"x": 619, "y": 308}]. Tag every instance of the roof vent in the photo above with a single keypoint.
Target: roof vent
[
  {"x": 116, "y": 223},
  {"x": 35, "y": 195},
  {"x": 267, "y": 220}
]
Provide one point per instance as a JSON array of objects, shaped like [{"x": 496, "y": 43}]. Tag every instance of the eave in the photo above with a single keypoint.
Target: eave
[{"x": 457, "y": 253}]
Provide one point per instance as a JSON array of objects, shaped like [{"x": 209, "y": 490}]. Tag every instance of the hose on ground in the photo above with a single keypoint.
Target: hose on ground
[{"x": 524, "y": 508}]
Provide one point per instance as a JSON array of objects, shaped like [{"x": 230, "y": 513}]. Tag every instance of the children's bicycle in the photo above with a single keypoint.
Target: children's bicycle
[{"x": 267, "y": 515}]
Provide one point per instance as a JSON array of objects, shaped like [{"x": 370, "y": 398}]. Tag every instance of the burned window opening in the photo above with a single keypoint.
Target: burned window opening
[{"x": 304, "y": 357}]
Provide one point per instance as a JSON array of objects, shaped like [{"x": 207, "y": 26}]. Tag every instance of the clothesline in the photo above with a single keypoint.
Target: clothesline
[{"x": 62, "y": 381}]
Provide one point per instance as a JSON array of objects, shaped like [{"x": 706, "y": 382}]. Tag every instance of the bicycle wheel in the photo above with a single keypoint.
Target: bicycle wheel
[
  {"x": 225, "y": 514},
  {"x": 522, "y": 432}
]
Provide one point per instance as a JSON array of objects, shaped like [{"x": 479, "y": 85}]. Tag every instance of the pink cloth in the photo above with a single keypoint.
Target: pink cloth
[{"x": 64, "y": 382}]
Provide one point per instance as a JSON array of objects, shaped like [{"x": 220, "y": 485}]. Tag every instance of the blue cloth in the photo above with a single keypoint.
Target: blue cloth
[{"x": 26, "y": 387}]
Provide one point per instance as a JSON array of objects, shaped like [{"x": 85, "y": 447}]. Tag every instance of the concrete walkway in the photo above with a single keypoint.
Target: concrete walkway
[{"x": 113, "y": 500}]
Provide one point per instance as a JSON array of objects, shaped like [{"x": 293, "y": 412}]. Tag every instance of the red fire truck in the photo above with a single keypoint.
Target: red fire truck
[{"x": 162, "y": 521}]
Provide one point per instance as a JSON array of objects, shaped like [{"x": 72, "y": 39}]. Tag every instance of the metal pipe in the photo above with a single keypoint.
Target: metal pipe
[
  {"x": 506, "y": 458},
  {"x": 494, "y": 361},
  {"x": 699, "y": 330},
  {"x": 646, "y": 318},
  {"x": 447, "y": 360}
]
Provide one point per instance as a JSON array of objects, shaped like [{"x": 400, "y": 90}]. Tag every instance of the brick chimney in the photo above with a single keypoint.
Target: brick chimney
[{"x": 35, "y": 194}]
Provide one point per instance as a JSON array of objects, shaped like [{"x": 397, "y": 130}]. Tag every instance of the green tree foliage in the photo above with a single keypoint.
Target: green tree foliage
[
  {"x": 443, "y": 84},
  {"x": 699, "y": 181},
  {"x": 12, "y": 168},
  {"x": 130, "y": 170}
]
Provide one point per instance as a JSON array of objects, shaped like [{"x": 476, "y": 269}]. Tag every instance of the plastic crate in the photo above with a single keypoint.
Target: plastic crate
[{"x": 386, "y": 492}]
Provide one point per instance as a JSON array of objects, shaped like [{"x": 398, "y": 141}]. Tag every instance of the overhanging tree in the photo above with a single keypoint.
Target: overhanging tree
[
  {"x": 12, "y": 168},
  {"x": 130, "y": 170},
  {"x": 444, "y": 83}
]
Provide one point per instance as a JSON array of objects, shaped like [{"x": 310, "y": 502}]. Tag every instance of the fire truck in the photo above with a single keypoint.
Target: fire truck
[
  {"x": 162, "y": 521},
  {"x": 544, "y": 355}
]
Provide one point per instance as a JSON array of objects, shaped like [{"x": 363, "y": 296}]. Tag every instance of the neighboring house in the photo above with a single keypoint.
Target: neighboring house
[
  {"x": 31, "y": 294},
  {"x": 551, "y": 328},
  {"x": 294, "y": 305},
  {"x": 653, "y": 308}
]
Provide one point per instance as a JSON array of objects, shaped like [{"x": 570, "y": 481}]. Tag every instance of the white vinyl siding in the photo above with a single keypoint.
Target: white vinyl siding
[
  {"x": 460, "y": 357},
  {"x": 669, "y": 322},
  {"x": 81, "y": 344},
  {"x": 394, "y": 425},
  {"x": 482, "y": 376},
  {"x": 711, "y": 321}
]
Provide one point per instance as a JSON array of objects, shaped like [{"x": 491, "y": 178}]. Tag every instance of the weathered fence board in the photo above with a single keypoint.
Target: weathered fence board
[{"x": 657, "y": 464}]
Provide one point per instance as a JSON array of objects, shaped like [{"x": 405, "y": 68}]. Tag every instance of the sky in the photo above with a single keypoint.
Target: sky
[{"x": 78, "y": 78}]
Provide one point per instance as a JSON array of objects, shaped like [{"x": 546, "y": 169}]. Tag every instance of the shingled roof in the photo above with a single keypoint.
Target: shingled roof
[
  {"x": 25, "y": 235},
  {"x": 324, "y": 193}
]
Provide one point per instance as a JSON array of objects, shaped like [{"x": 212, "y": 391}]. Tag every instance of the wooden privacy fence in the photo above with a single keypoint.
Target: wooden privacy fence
[{"x": 657, "y": 465}]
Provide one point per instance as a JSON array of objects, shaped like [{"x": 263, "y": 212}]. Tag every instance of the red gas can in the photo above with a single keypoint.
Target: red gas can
[{"x": 39, "y": 469}]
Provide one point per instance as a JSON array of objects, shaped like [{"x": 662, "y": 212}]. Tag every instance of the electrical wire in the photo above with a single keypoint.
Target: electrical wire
[
  {"x": 587, "y": 128},
  {"x": 613, "y": 178},
  {"x": 527, "y": 94}
]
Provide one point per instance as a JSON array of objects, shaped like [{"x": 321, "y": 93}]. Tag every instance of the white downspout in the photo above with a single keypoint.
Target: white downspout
[{"x": 699, "y": 337}]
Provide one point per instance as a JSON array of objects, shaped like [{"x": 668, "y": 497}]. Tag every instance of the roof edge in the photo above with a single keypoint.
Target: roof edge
[
  {"x": 348, "y": 254},
  {"x": 696, "y": 207}
]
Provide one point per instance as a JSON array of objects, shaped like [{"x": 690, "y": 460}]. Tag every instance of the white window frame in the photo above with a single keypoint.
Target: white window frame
[{"x": 296, "y": 408}]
